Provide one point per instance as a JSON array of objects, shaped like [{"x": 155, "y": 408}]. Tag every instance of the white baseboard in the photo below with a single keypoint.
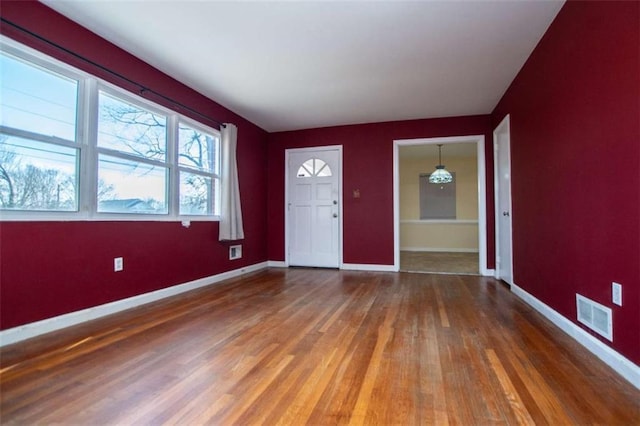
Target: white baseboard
[
  {"x": 368, "y": 267},
  {"x": 487, "y": 272},
  {"x": 27, "y": 331},
  {"x": 613, "y": 359},
  {"x": 345, "y": 266},
  {"x": 440, "y": 249}
]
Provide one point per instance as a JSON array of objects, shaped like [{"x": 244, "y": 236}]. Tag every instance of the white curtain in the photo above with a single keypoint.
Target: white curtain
[{"x": 230, "y": 209}]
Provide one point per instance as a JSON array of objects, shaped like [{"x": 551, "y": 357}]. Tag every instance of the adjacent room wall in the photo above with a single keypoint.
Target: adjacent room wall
[
  {"x": 466, "y": 170},
  {"x": 368, "y": 167},
  {"x": 431, "y": 235},
  {"x": 52, "y": 268},
  {"x": 575, "y": 153}
]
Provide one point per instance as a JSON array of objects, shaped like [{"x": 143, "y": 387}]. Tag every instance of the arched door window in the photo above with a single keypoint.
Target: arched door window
[{"x": 314, "y": 167}]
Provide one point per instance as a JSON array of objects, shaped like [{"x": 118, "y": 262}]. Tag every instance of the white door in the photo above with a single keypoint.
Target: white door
[
  {"x": 313, "y": 207},
  {"x": 502, "y": 161}
]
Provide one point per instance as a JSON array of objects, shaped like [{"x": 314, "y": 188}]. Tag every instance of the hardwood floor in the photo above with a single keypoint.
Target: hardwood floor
[
  {"x": 439, "y": 262},
  {"x": 318, "y": 347}
]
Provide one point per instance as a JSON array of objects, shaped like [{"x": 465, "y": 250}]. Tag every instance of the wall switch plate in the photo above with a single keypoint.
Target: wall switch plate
[
  {"x": 118, "y": 264},
  {"x": 616, "y": 293}
]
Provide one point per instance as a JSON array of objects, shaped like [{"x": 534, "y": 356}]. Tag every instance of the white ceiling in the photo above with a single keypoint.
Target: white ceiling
[{"x": 299, "y": 64}]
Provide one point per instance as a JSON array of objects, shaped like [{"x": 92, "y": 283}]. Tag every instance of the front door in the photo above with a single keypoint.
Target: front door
[
  {"x": 502, "y": 151},
  {"x": 313, "y": 207}
]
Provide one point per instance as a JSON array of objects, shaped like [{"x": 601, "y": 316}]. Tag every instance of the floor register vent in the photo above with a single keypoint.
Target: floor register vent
[{"x": 595, "y": 316}]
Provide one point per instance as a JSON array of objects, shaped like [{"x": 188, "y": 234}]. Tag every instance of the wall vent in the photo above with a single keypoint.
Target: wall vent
[
  {"x": 235, "y": 252},
  {"x": 595, "y": 316}
]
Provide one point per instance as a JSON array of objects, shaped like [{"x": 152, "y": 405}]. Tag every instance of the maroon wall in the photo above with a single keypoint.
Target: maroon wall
[
  {"x": 52, "y": 268},
  {"x": 368, "y": 166},
  {"x": 575, "y": 123},
  {"x": 575, "y": 150}
]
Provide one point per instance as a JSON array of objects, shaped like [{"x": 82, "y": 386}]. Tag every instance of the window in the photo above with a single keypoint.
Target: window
[
  {"x": 72, "y": 146},
  {"x": 437, "y": 201},
  {"x": 314, "y": 167},
  {"x": 39, "y": 155},
  {"x": 199, "y": 168},
  {"x": 132, "y": 152}
]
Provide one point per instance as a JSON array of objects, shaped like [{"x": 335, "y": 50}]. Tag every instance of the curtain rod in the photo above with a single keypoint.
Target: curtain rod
[{"x": 143, "y": 89}]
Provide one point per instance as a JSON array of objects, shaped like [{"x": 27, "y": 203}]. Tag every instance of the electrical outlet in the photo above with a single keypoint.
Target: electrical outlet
[
  {"x": 616, "y": 293},
  {"x": 118, "y": 264}
]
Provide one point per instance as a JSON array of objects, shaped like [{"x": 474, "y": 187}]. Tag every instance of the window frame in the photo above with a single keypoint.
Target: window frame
[
  {"x": 128, "y": 98},
  {"x": 86, "y": 134}
]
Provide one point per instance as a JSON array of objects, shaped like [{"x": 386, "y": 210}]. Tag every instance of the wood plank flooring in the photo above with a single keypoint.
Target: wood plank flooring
[
  {"x": 439, "y": 262},
  {"x": 322, "y": 347}
]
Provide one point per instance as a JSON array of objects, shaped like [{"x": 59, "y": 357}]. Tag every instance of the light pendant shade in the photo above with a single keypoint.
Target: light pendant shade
[{"x": 441, "y": 175}]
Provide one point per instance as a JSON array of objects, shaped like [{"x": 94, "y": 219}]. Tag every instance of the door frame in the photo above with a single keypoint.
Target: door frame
[
  {"x": 479, "y": 140},
  {"x": 287, "y": 153},
  {"x": 503, "y": 128}
]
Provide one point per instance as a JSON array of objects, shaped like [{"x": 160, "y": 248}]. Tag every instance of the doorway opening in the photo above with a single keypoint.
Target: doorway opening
[{"x": 455, "y": 241}]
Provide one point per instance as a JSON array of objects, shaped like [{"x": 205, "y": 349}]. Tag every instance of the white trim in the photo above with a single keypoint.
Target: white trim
[
  {"x": 88, "y": 190},
  {"x": 286, "y": 196},
  {"x": 482, "y": 193},
  {"x": 173, "y": 196},
  {"x": 441, "y": 249},
  {"x": 503, "y": 127},
  {"x": 33, "y": 216},
  {"x": 27, "y": 331},
  {"x": 37, "y": 137},
  {"x": 482, "y": 208},
  {"x": 343, "y": 266},
  {"x": 367, "y": 267},
  {"x": 613, "y": 359},
  {"x": 440, "y": 221}
]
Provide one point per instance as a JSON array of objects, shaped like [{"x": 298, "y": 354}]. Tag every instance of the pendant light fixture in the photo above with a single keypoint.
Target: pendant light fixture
[{"x": 441, "y": 175}]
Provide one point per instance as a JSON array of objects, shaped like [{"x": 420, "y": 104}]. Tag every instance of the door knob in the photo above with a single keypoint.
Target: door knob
[{"x": 505, "y": 213}]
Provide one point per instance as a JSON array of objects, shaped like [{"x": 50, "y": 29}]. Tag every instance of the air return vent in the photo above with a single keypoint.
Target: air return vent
[
  {"x": 595, "y": 316},
  {"x": 235, "y": 252}
]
